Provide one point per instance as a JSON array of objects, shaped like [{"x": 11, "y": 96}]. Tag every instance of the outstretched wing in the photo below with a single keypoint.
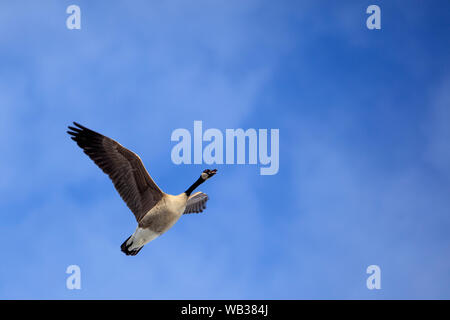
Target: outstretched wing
[
  {"x": 123, "y": 167},
  {"x": 196, "y": 203}
]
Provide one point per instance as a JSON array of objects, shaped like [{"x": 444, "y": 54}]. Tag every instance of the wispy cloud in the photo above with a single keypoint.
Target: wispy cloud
[{"x": 363, "y": 148}]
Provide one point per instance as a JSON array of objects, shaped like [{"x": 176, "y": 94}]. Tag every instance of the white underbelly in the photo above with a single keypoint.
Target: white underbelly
[
  {"x": 171, "y": 208},
  {"x": 141, "y": 237}
]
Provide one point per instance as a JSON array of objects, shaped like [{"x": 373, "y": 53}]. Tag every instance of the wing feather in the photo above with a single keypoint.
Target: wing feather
[
  {"x": 124, "y": 168},
  {"x": 196, "y": 203}
]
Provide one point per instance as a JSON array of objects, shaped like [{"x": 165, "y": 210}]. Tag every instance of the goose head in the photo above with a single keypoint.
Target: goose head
[{"x": 206, "y": 174}]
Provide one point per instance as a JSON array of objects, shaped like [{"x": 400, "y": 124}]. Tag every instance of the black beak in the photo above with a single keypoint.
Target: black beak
[{"x": 210, "y": 173}]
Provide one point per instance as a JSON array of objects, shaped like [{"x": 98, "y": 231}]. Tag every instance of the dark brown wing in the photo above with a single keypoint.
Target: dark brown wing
[
  {"x": 123, "y": 167},
  {"x": 196, "y": 203}
]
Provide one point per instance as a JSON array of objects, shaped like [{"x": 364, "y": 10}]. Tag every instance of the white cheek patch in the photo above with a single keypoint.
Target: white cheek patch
[{"x": 204, "y": 176}]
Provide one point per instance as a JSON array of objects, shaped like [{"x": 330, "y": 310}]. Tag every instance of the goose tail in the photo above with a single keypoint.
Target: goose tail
[{"x": 125, "y": 247}]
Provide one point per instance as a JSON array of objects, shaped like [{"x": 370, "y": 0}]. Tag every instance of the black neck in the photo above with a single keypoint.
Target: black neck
[{"x": 195, "y": 185}]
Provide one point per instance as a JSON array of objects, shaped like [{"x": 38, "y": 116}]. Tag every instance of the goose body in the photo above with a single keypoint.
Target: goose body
[
  {"x": 155, "y": 211},
  {"x": 158, "y": 220}
]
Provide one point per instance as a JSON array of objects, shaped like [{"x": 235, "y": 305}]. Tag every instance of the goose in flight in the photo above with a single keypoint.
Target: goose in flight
[{"x": 155, "y": 211}]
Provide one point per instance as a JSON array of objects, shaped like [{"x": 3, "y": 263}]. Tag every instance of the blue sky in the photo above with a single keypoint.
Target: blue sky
[{"x": 364, "y": 148}]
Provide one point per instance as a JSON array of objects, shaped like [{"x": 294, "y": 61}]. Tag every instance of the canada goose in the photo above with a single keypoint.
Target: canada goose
[{"x": 155, "y": 211}]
